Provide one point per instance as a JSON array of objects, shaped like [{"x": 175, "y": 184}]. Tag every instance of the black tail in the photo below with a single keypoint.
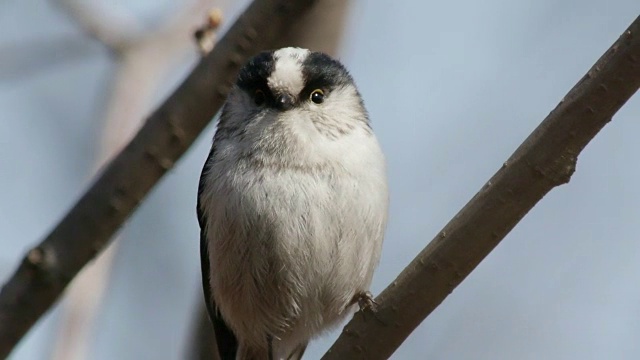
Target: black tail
[{"x": 225, "y": 339}]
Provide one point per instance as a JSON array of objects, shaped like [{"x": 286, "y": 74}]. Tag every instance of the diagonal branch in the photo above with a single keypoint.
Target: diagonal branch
[
  {"x": 546, "y": 159},
  {"x": 169, "y": 131}
]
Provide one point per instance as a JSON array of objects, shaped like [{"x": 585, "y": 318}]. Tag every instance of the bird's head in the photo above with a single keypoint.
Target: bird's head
[{"x": 295, "y": 86}]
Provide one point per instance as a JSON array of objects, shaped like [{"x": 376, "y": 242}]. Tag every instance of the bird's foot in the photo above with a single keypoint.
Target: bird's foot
[{"x": 365, "y": 301}]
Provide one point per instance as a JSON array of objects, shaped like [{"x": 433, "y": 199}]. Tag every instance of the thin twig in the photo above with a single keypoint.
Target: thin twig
[
  {"x": 169, "y": 131},
  {"x": 205, "y": 35},
  {"x": 546, "y": 159}
]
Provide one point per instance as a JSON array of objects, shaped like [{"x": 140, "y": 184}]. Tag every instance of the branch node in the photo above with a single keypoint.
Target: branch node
[
  {"x": 165, "y": 163},
  {"x": 117, "y": 201},
  {"x": 235, "y": 59},
  {"x": 117, "y": 204},
  {"x": 539, "y": 172},
  {"x": 205, "y": 36},
  {"x": 250, "y": 33},
  {"x": 41, "y": 258},
  {"x": 35, "y": 256},
  {"x": 243, "y": 44},
  {"x": 433, "y": 266},
  {"x": 177, "y": 134}
]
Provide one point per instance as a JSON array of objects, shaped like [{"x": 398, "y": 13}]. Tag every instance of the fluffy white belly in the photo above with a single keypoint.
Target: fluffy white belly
[{"x": 290, "y": 247}]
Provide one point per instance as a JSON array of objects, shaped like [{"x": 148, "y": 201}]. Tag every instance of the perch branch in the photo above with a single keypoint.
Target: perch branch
[{"x": 546, "y": 159}]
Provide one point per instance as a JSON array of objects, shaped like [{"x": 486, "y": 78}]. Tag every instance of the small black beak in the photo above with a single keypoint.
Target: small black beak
[{"x": 284, "y": 102}]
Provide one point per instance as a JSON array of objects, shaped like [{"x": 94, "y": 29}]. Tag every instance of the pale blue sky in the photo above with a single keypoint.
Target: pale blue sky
[{"x": 453, "y": 88}]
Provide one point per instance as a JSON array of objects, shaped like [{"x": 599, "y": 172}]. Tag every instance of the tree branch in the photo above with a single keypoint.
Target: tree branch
[
  {"x": 168, "y": 132},
  {"x": 546, "y": 159}
]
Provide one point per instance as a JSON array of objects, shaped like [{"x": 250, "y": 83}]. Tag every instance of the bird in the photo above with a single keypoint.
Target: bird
[{"x": 292, "y": 205}]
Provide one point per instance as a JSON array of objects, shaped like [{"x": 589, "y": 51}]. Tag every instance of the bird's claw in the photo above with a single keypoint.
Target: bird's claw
[{"x": 365, "y": 301}]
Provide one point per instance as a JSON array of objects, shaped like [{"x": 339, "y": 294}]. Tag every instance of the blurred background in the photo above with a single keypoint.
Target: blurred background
[{"x": 452, "y": 87}]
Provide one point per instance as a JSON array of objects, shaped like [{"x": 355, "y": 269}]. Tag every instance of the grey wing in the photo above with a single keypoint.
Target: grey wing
[{"x": 225, "y": 339}]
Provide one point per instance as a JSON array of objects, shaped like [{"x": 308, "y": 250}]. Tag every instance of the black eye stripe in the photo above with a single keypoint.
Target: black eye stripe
[
  {"x": 254, "y": 74},
  {"x": 319, "y": 71},
  {"x": 322, "y": 72}
]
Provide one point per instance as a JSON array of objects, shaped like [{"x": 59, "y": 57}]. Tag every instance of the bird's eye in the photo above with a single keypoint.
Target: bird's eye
[
  {"x": 259, "y": 97},
  {"x": 317, "y": 96}
]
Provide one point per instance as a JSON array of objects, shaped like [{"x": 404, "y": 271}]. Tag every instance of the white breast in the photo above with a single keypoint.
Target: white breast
[{"x": 294, "y": 237}]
